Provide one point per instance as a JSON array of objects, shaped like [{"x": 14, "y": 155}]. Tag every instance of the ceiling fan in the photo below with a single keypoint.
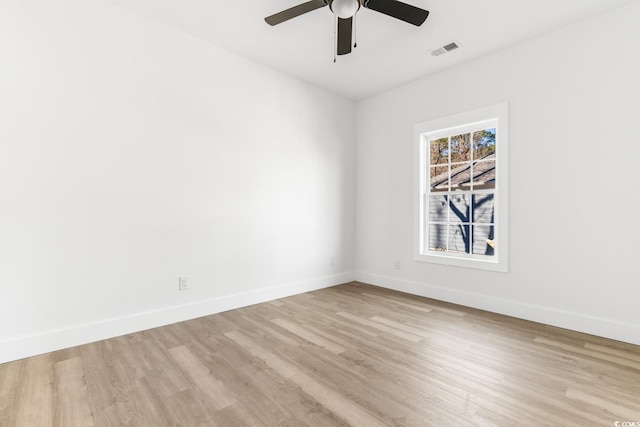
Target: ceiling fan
[{"x": 345, "y": 11}]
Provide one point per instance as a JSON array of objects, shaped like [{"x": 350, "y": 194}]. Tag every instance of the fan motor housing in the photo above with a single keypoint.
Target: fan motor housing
[{"x": 344, "y": 8}]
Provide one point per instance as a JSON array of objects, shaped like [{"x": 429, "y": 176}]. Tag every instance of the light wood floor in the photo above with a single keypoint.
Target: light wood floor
[{"x": 349, "y": 355}]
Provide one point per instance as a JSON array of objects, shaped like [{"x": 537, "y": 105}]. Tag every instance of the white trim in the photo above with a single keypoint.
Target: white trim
[
  {"x": 444, "y": 126},
  {"x": 607, "y": 328},
  {"x": 32, "y": 345}
]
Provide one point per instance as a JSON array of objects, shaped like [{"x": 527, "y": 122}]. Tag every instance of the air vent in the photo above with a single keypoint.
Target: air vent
[
  {"x": 445, "y": 49},
  {"x": 451, "y": 46}
]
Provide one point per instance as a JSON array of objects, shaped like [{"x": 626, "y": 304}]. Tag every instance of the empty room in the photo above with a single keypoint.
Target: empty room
[{"x": 319, "y": 213}]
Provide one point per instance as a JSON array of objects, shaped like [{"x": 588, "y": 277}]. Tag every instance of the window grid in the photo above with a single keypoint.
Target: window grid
[{"x": 452, "y": 221}]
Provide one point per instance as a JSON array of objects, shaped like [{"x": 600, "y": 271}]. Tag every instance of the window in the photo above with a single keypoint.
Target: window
[{"x": 461, "y": 181}]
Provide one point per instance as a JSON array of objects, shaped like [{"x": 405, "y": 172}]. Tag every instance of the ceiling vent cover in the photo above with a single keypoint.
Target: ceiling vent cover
[{"x": 445, "y": 49}]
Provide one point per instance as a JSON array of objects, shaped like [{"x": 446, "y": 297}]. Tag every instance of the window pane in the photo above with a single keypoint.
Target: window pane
[
  {"x": 484, "y": 174},
  {"x": 483, "y": 242},
  {"x": 439, "y": 151},
  {"x": 483, "y": 208},
  {"x": 460, "y": 208},
  {"x": 459, "y": 238},
  {"x": 438, "y": 208},
  {"x": 438, "y": 237},
  {"x": 484, "y": 143},
  {"x": 461, "y": 177},
  {"x": 461, "y": 148},
  {"x": 439, "y": 178}
]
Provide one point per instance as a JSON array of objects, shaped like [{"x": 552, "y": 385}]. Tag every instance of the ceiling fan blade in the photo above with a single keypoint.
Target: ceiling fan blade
[
  {"x": 298, "y": 10},
  {"x": 345, "y": 34},
  {"x": 402, "y": 11}
]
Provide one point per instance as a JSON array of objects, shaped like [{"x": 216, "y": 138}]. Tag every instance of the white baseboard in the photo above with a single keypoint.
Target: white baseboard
[
  {"x": 32, "y": 345},
  {"x": 606, "y": 328},
  {"x": 44, "y": 342}
]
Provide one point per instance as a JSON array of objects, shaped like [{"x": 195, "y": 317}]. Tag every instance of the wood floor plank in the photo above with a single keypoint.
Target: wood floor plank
[
  {"x": 285, "y": 369},
  {"x": 352, "y": 355},
  {"x": 280, "y": 387},
  {"x": 34, "y": 399},
  {"x": 380, "y": 327},
  {"x": 592, "y": 353},
  {"x": 421, "y": 307},
  {"x": 619, "y": 411},
  {"x": 203, "y": 377},
  {"x": 308, "y": 335},
  {"x": 71, "y": 400},
  {"x": 191, "y": 408},
  {"x": 10, "y": 376}
]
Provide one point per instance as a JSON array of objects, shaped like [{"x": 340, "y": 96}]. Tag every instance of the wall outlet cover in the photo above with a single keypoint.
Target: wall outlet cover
[{"x": 184, "y": 283}]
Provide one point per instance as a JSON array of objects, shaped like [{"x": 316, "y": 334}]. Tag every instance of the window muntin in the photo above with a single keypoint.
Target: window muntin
[{"x": 460, "y": 191}]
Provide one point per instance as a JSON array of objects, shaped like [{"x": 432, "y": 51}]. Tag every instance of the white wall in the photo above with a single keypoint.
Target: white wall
[
  {"x": 574, "y": 99},
  {"x": 131, "y": 154}
]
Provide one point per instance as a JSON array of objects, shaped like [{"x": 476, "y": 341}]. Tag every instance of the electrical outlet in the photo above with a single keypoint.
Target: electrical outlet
[
  {"x": 184, "y": 283},
  {"x": 397, "y": 265}
]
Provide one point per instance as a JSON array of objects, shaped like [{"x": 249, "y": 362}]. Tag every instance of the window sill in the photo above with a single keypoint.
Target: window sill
[{"x": 453, "y": 261}]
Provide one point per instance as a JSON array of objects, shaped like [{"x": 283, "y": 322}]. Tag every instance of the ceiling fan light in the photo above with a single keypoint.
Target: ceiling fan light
[{"x": 344, "y": 8}]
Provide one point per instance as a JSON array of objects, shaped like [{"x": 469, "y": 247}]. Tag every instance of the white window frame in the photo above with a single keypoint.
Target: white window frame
[{"x": 495, "y": 116}]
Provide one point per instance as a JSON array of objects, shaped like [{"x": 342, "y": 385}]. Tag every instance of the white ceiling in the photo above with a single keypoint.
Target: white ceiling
[{"x": 389, "y": 52}]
